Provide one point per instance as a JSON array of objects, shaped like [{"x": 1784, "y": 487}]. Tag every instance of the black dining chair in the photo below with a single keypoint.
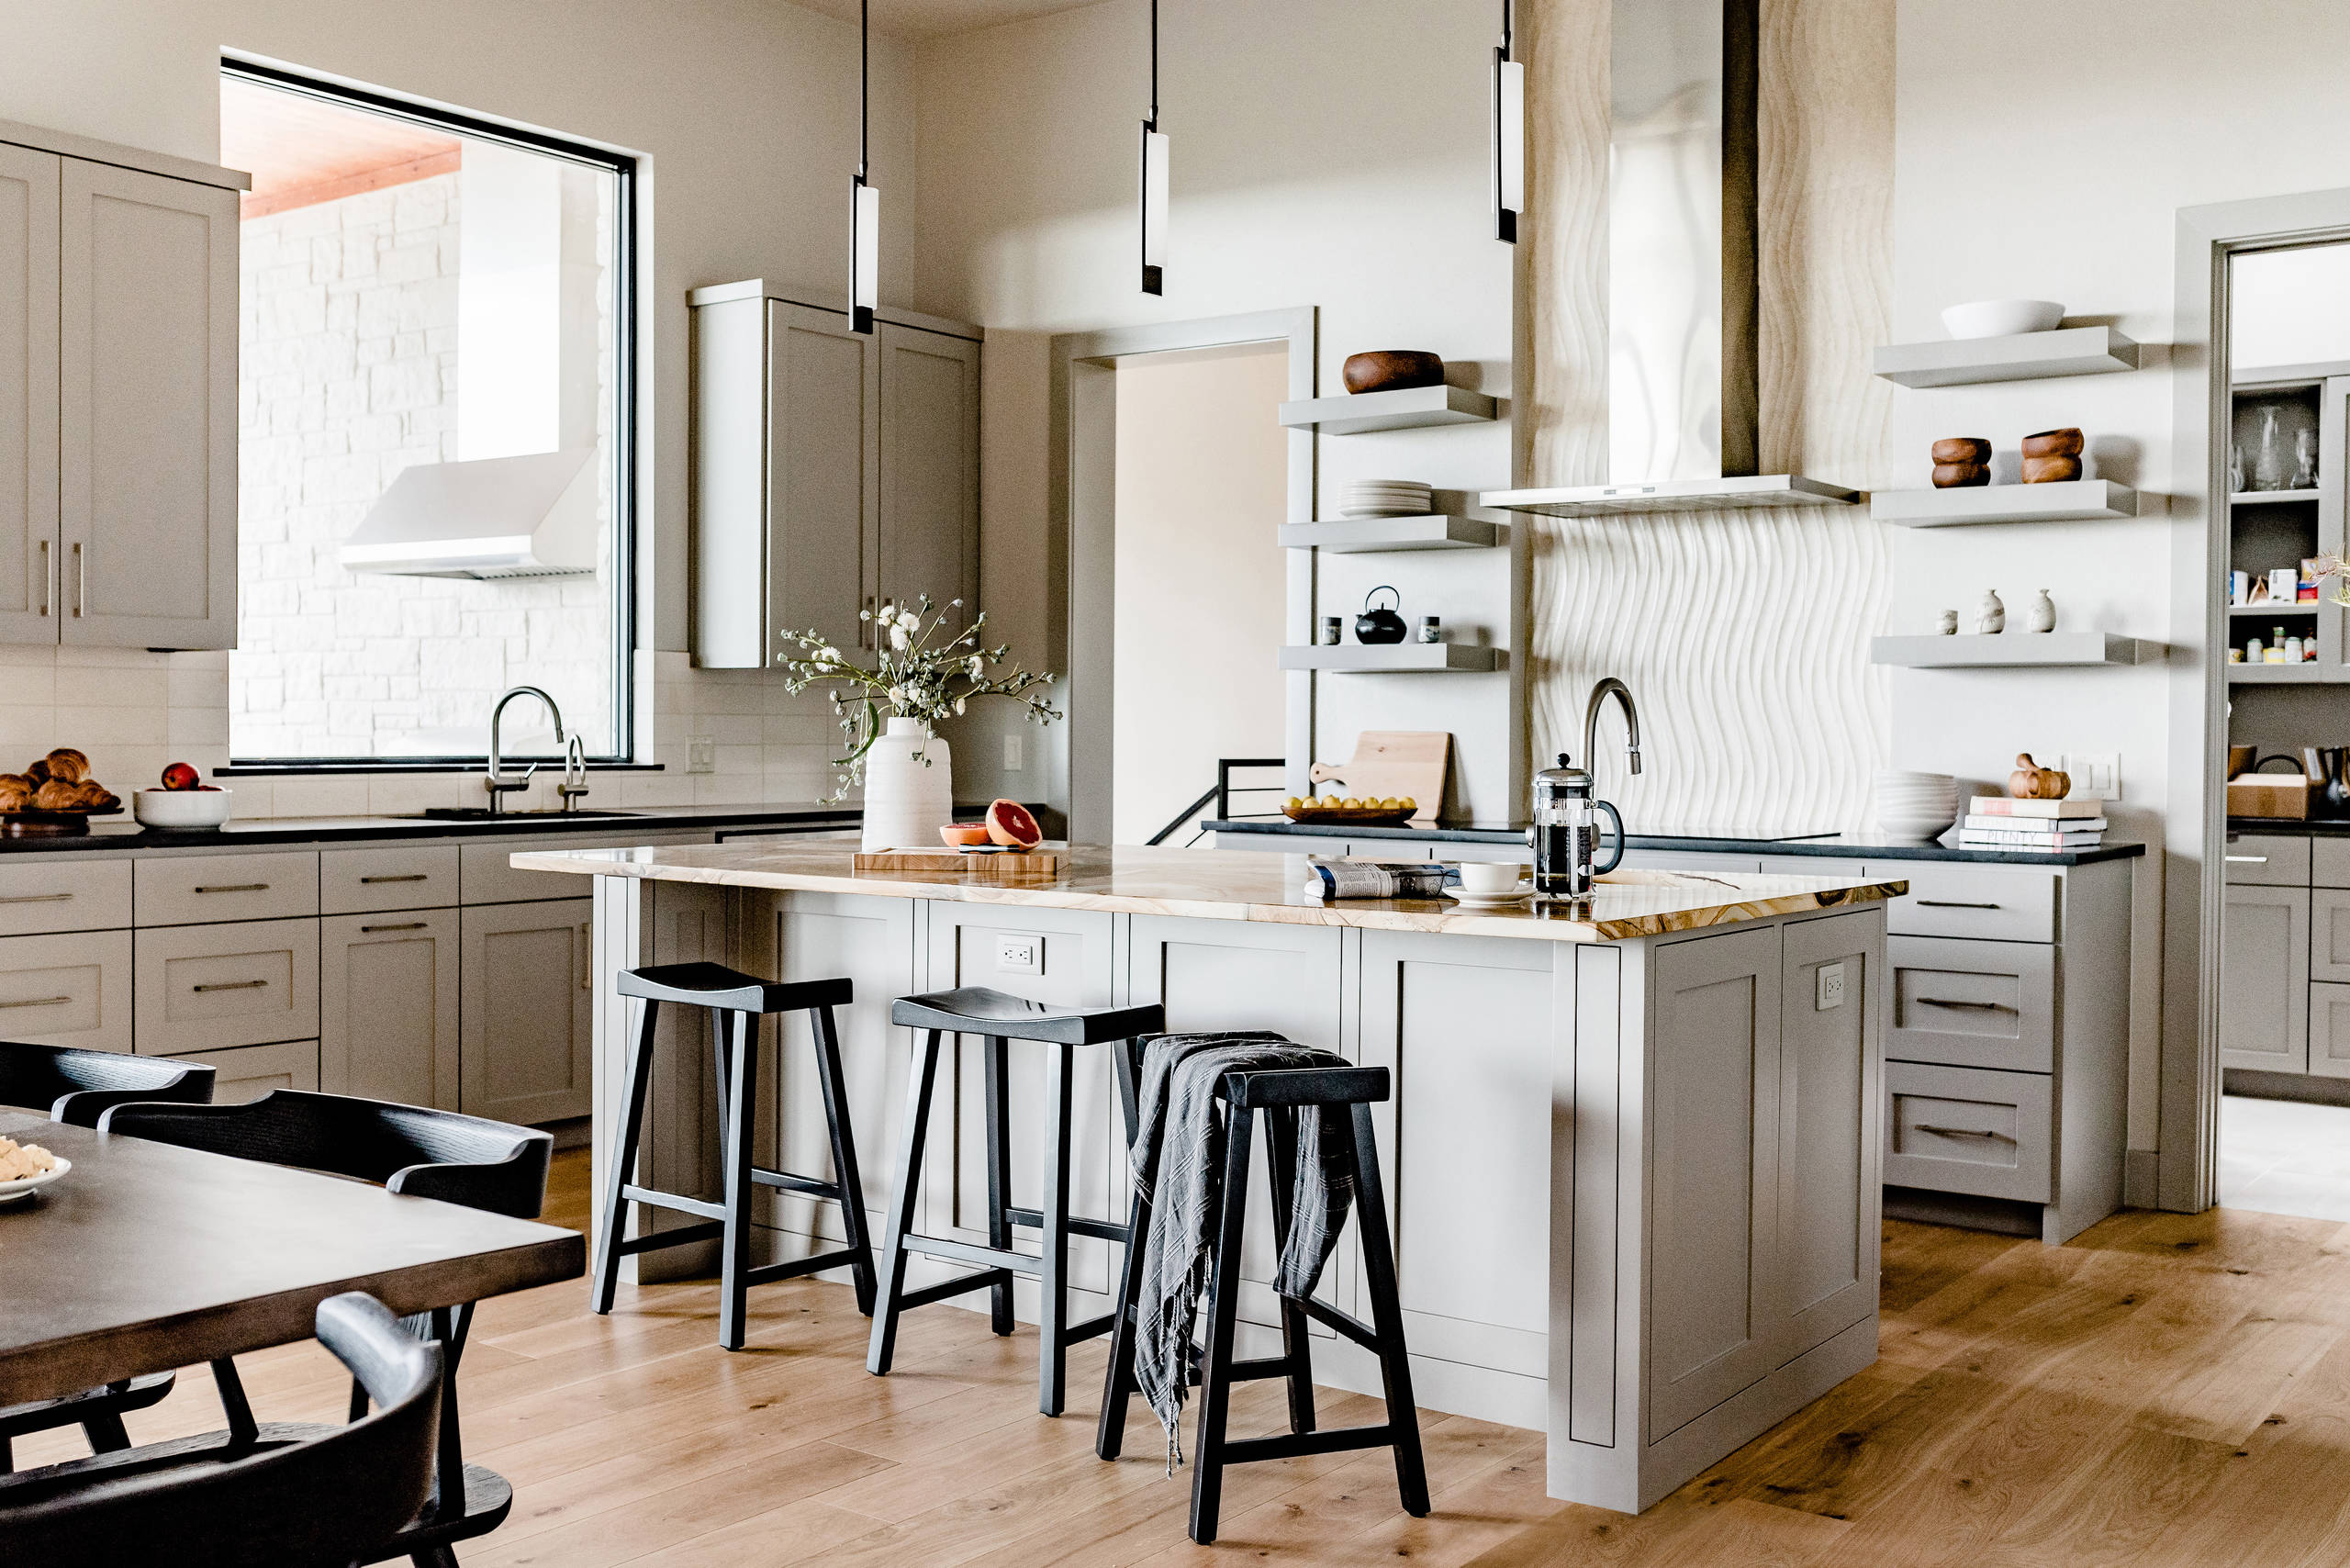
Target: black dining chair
[
  {"x": 78, "y": 1087},
  {"x": 410, "y": 1149},
  {"x": 305, "y": 1497}
]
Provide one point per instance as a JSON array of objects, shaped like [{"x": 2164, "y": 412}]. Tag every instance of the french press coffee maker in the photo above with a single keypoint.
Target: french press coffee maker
[{"x": 1565, "y": 835}]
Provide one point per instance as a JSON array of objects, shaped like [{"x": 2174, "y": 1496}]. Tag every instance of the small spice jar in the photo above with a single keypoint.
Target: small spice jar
[
  {"x": 1333, "y": 627},
  {"x": 1431, "y": 629}
]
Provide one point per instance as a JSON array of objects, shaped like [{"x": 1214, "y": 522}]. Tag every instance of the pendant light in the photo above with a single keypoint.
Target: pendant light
[
  {"x": 1154, "y": 179},
  {"x": 865, "y": 202},
  {"x": 1509, "y": 136}
]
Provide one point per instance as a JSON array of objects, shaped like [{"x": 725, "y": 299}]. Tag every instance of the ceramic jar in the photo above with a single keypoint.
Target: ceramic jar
[{"x": 909, "y": 788}]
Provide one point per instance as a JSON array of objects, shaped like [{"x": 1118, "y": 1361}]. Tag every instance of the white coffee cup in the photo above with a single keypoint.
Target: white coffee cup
[{"x": 1490, "y": 878}]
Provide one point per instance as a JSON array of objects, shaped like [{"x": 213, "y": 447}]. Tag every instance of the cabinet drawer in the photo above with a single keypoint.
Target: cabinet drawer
[
  {"x": 2330, "y": 933},
  {"x": 2267, "y": 860},
  {"x": 360, "y": 881},
  {"x": 1964, "y": 1004},
  {"x": 57, "y": 895},
  {"x": 67, "y": 990},
  {"x": 248, "y": 1072},
  {"x": 1958, "y": 1129},
  {"x": 192, "y": 889},
  {"x": 2330, "y": 862},
  {"x": 203, "y": 988},
  {"x": 2003, "y": 903}
]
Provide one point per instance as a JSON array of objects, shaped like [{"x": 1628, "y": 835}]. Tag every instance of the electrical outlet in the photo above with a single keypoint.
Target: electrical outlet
[
  {"x": 1012, "y": 762},
  {"x": 1831, "y": 988},
  {"x": 2094, "y": 773},
  {"x": 1019, "y": 955},
  {"x": 701, "y": 755}
]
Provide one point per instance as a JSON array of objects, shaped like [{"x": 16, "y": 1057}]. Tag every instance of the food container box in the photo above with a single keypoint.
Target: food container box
[{"x": 2280, "y": 795}]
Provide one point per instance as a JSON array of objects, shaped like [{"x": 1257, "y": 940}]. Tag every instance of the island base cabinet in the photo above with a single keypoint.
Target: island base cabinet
[
  {"x": 387, "y": 1007},
  {"x": 248, "y": 1072},
  {"x": 528, "y": 1006}
]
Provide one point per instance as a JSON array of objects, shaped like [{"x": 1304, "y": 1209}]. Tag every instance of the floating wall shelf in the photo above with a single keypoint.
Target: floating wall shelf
[
  {"x": 1394, "y": 658},
  {"x": 2011, "y": 650},
  {"x": 1409, "y": 407},
  {"x": 2028, "y": 356},
  {"x": 1675, "y": 495},
  {"x": 2072, "y": 500},
  {"x": 2270, "y": 497},
  {"x": 1364, "y": 535},
  {"x": 2309, "y": 672}
]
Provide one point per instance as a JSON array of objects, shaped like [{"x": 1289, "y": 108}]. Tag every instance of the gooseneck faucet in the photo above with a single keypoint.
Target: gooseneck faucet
[
  {"x": 497, "y": 783},
  {"x": 1610, "y": 687}
]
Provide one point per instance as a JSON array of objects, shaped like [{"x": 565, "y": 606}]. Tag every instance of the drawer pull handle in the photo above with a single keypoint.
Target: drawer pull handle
[
  {"x": 2247, "y": 859},
  {"x": 39, "y": 1001},
  {"x": 402, "y": 925},
  {"x": 232, "y": 985},
  {"x": 36, "y": 898},
  {"x": 1952, "y": 904},
  {"x": 410, "y": 877},
  {"x": 1969, "y": 1006},
  {"x": 236, "y": 888},
  {"x": 1963, "y": 1132}
]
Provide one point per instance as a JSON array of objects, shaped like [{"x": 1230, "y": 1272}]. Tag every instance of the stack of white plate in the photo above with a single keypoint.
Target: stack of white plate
[
  {"x": 1385, "y": 498},
  {"x": 1915, "y": 806}
]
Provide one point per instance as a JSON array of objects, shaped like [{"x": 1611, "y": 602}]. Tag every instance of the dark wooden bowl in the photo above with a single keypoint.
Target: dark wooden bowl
[
  {"x": 30, "y": 824},
  {"x": 2052, "y": 443},
  {"x": 1391, "y": 370},
  {"x": 1360, "y": 816},
  {"x": 1959, "y": 476},
  {"x": 1962, "y": 449},
  {"x": 2051, "y": 470}
]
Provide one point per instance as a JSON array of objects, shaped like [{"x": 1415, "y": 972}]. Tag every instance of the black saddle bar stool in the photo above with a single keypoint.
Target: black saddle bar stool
[
  {"x": 732, "y": 998},
  {"x": 1001, "y": 1018},
  {"x": 1245, "y": 1094}
]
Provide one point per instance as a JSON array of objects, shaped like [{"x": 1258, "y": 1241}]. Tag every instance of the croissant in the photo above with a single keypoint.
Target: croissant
[
  {"x": 96, "y": 796},
  {"x": 66, "y": 763},
  {"x": 16, "y": 795},
  {"x": 56, "y": 795},
  {"x": 37, "y": 774}
]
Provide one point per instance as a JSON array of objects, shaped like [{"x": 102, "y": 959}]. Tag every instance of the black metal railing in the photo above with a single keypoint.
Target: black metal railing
[{"x": 1220, "y": 795}]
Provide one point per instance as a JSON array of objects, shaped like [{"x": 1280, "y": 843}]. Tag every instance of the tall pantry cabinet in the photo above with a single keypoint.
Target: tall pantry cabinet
[
  {"x": 118, "y": 396},
  {"x": 834, "y": 471}
]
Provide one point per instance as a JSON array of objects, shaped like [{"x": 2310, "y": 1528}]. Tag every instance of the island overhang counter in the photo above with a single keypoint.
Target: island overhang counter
[{"x": 1633, "y": 1149}]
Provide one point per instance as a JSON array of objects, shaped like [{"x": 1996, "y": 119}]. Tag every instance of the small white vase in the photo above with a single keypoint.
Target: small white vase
[{"x": 909, "y": 788}]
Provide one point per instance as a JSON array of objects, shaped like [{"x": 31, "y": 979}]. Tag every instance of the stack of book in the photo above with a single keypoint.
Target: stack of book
[{"x": 1994, "y": 821}]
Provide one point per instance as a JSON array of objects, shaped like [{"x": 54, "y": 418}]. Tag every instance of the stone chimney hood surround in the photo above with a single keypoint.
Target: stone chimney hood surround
[{"x": 1682, "y": 307}]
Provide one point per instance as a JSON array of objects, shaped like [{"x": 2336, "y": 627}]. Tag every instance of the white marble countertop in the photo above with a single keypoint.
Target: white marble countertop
[{"x": 1218, "y": 885}]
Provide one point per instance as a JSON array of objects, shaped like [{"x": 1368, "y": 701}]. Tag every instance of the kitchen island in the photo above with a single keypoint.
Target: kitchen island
[{"x": 1634, "y": 1145}]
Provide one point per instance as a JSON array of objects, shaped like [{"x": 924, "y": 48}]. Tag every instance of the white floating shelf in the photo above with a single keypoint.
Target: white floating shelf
[
  {"x": 1409, "y": 407},
  {"x": 1673, "y": 495},
  {"x": 2269, "y": 498},
  {"x": 2026, "y": 356},
  {"x": 1393, "y": 658},
  {"x": 2071, "y": 500},
  {"x": 1364, "y": 535},
  {"x": 2309, "y": 672},
  {"x": 2272, "y": 607},
  {"x": 2011, "y": 650}
]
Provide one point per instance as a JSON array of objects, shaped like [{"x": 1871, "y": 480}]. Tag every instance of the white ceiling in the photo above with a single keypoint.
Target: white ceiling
[{"x": 933, "y": 18}]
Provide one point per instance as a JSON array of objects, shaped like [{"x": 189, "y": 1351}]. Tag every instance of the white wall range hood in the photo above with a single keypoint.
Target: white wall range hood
[
  {"x": 494, "y": 516},
  {"x": 1682, "y": 402}
]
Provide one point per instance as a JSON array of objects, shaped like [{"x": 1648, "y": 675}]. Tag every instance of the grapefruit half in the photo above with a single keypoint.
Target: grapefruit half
[{"x": 1010, "y": 825}]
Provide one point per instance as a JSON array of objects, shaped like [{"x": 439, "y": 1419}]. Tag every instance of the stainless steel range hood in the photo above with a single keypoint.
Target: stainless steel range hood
[
  {"x": 1683, "y": 308},
  {"x": 493, "y": 517}
]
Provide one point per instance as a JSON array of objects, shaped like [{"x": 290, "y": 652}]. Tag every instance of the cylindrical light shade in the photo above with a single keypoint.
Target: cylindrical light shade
[
  {"x": 1154, "y": 209},
  {"x": 1509, "y": 144},
  {"x": 865, "y": 256}
]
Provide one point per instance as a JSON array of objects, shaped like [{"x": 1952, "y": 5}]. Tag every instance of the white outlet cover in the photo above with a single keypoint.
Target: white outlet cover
[
  {"x": 1012, "y": 761},
  {"x": 1018, "y": 954},
  {"x": 1831, "y": 988},
  {"x": 2094, "y": 773},
  {"x": 701, "y": 755}
]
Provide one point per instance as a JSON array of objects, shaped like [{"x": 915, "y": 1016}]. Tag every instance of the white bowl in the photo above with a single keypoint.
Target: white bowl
[
  {"x": 182, "y": 808},
  {"x": 11, "y": 1192},
  {"x": 2001, "y": 317},
  {"x": 1915, "y": 806}
]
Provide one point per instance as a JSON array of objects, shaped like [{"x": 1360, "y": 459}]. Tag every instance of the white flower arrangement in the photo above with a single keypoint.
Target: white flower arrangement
[{"x": 920, "y": 672}]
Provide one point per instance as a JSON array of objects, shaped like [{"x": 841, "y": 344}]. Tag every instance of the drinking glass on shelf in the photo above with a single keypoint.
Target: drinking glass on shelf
[
  {"x": 2268, "y": 466},
  {"x": 2305, "y": 460},
  {"x": 2235, "y": 468}
]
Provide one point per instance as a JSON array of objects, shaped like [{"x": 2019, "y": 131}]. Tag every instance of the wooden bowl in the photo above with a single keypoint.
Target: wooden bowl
[
  {"x": 31, "y": 823},
  {"x": 1962, "y": 449},
  {"x": 2051, "y": 470},
  {"x": 2064, "y": 443},
  {"x": 1391, "y": 370},
  {"x": 1958, "y": 475},
  {"x": 1359, "y": 816}
]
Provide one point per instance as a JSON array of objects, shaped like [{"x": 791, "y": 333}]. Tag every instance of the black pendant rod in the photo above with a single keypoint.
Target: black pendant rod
[
  {"x": 864, "y": 87},
  {"x": 1154, "y": 64},
  {"x": 1505, "y": 30}
]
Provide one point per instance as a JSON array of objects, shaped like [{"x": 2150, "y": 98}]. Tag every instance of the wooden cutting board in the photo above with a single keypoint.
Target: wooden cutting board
[
  {"x": 1393, "y": 763},
  {"x": 1003, "y": 863}
]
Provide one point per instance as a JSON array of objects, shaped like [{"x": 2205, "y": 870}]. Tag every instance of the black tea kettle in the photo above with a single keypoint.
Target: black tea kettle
[{"x": 1380, "y": 623}]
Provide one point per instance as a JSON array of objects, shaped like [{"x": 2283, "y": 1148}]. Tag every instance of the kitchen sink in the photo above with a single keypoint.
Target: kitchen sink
[{"x": 484, "y": 814}]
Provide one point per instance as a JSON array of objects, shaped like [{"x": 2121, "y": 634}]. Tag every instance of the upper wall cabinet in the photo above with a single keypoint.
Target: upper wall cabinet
[
  {"x": 832, "y": 470},
  {"x": 118, "y": 396}
]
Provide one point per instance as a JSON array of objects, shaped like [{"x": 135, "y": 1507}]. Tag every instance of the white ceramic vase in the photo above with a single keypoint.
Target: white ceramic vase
[{"x": 909, "y": 788}]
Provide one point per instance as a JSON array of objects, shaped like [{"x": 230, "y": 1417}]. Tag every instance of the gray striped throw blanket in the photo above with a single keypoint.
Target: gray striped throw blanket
[{"x": 1179, "y": 1164}]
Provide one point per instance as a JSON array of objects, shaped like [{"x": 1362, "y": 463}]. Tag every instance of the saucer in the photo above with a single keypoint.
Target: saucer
[{"x": 1489, "y": 901}]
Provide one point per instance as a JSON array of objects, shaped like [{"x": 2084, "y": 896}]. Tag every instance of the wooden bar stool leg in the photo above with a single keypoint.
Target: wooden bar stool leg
[
  {"x": 625, "y": 1137},
  {"x": 844, "y": 1171},
  {"x": 1052, "y": 1318},
  {"x": 1387, "y": 1319},
  {"x": 1280, "y": 1169},
  {"x": 1223, "y": 1302},
  {"x": 923, "y": 1071},
  {"x": 742, "y": 1119},
  {"x": 998, "y": 1094},
  {"x": 1118, "y": 1383}
]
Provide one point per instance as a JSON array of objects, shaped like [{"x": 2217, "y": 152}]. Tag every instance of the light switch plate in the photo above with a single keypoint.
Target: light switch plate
[
  {"x": 2094, "y": 773},
  {"x": 1831, "y": 988},
  {"x": 1019, "y": 953},
  {"x": 1012, "y": 762},
  {"x": 701, "y": 755}
]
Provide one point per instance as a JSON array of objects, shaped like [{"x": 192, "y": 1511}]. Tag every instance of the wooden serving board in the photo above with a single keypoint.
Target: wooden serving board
[
  {"x": 1394, "y": 764},
  {"x": 1001, "y": 863}
]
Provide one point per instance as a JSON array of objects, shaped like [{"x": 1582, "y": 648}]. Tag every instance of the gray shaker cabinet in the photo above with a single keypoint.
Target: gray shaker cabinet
[
  {"x": 2264, "y": 979},
  {"x": 28, "y": 181},
  {"x": 929, "y": 537},
  {"x": 527, "y": 1010},
  {"x": 388, "y": 1006}
]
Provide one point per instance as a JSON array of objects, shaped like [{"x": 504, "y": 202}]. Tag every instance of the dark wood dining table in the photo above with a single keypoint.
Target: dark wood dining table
[{"x": 146, "y": 1257}]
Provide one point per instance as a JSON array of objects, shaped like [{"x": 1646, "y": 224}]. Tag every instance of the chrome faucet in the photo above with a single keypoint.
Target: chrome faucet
[
  {"x": 497, "y": 783},
  {"x": 574, "y": 787},
  {"x": 1610, "y": 687}
]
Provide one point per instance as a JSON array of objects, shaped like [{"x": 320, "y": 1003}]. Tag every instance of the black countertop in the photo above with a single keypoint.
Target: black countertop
[
  {"x": 2315, "y": 828},
  {"x": 1825, "y": 846},
  {"x": 121, "y": 833}
]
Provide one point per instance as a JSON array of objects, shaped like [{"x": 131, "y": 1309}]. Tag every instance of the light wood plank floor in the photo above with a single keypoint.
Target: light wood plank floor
[{"x": 2168, "y": 1390}]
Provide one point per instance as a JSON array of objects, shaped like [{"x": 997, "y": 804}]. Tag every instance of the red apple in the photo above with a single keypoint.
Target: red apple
[{"x": 180, "y": 776}]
